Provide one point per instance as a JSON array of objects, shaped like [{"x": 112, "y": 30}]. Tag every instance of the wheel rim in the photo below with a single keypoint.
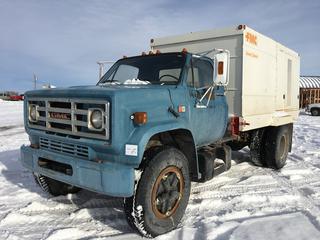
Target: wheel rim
[
  {"x": 283, "y": 146},
  {"x": 167, "y": 192}
]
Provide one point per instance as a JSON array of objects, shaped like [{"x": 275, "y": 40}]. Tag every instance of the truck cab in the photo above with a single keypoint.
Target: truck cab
[{"x": 138, "y": 134}]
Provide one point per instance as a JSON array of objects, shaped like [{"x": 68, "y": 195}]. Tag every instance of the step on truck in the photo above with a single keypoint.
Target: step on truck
[{"x": 156, "y": 122}]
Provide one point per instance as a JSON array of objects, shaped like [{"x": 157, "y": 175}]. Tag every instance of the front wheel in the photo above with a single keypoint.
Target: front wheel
[{"x": 161, "y": 194}]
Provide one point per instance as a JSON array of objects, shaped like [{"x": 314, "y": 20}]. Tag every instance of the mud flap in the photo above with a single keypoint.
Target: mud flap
[{"x": 214, "y": 161}]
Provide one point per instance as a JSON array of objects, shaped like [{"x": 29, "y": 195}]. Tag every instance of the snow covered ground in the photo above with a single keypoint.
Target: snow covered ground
[{"x": 246, "y": 202}]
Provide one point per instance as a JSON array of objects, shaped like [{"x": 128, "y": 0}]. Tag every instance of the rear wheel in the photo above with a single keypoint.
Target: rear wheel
[
  {"x": 277, "y": 146},
  {"x": 257, "y": 147},
  {"x": 54, "y": 187},
  {"x": 315, "y": 112},
  {"x": 161, "y": 194}
]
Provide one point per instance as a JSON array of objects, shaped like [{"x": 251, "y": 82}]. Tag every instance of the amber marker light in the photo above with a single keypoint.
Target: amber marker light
[
  {"x": 140, "y": 118},
  {"x": 184, "y": 50},
  {"x": 220, "y": 68},
  {"x": 241, "y": 27}
]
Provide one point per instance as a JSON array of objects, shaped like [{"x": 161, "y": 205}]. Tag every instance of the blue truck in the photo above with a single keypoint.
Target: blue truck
[{"x": 151, "y": 125}]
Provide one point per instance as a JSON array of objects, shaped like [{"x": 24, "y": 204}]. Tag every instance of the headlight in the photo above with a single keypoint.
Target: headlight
[
  {"x": 95, "y": 119},
  {"x": 33, "y": 113}
]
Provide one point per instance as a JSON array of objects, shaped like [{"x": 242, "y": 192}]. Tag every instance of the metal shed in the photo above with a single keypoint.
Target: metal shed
[{"x": 309, "y": 90}]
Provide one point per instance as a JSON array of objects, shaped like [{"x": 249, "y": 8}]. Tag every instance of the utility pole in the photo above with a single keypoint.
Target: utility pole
[{"x": 35, "y": 79}]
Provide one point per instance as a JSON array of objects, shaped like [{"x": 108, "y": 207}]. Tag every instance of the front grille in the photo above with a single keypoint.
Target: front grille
[
  {"x": 69, "y": 117},
  {"x": 65, "y": 148}
]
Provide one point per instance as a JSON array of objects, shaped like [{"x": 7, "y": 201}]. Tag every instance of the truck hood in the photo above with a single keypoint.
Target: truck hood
[{"x": 92, "y": 91}]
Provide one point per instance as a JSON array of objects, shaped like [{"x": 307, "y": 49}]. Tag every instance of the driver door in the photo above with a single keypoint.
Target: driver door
[{"x": 207, "y": 115}]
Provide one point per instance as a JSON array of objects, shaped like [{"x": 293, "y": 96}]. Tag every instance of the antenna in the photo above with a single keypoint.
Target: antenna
[{"x": 35, "y": 79}]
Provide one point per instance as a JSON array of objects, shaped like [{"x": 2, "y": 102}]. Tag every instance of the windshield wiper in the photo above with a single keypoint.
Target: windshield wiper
[{"x": 111, "y": 82}]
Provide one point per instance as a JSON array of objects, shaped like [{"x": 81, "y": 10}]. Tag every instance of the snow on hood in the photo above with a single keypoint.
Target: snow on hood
[{"x": 135, "y": 82}]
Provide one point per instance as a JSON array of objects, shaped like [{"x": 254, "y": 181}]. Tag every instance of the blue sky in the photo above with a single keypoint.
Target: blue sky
[{"x": 61, "y": 40}]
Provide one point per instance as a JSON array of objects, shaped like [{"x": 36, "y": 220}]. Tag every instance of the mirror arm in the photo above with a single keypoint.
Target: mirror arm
[{"x": 200, "y": 104}]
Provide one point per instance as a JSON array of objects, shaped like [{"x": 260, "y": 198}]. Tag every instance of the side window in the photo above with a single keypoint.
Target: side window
[
  {"x": 203, "y": 73},
  {"x": 175, "y": 72},
  {"x": 125, "y": 72}
]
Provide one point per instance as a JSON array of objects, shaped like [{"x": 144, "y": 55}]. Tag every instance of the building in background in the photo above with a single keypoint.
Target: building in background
[{"x": 309, "y": 90}]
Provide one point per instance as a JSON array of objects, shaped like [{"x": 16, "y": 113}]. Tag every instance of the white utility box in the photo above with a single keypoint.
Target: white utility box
[{"x": 263, "y": 84}]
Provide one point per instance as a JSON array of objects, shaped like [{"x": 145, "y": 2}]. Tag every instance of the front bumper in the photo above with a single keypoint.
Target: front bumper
[{"x": 106, "y": 177}]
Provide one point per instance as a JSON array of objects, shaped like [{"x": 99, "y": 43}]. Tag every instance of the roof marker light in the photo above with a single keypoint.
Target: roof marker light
[{"x": 241, "y": 26}]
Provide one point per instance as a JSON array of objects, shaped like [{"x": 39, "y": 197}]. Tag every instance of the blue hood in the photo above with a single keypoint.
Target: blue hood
[{"x": 92, "y": 91}]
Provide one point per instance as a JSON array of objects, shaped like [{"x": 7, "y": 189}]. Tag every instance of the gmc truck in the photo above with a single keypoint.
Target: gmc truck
[{"x": 154, "y": 123}]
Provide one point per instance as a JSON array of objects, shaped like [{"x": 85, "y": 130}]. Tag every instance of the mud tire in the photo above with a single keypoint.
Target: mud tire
[
  {"x": 277, "y": 146},
  {"x": 140, "y": 208},
  {"x": 257, "y": 148}
]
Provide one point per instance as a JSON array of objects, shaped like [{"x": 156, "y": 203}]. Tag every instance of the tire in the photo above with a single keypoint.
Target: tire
[
  {"x": 257, "y": 148},
  {"x": 315, "y": 112},
  {"x": 161, "y": 194},
  {"x": 54, "y": 187},
  {"x": 278, "y": 141}
]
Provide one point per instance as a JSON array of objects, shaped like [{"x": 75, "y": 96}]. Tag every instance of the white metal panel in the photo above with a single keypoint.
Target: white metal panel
[
  {"x": 259, "y": 73},
  {"x": 270, "y": 81},
  {"x": 264, "y": 75}
]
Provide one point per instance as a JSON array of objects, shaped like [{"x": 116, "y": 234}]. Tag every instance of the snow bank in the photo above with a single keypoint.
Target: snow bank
[
  {"x": 280, "y": 227},
  {"x": 11, "y": 113}
]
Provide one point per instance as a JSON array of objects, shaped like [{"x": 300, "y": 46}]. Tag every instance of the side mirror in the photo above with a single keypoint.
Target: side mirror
[{"x": 221, "y": 68}]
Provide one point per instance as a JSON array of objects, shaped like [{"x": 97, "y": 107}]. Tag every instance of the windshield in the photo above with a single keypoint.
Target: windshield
[{"x": 150, "y": 69}]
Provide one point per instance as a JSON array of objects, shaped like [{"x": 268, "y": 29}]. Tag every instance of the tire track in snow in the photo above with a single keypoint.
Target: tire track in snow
[
  {"x": 308, "y": 204},
  {"x": 41, "y": 207},
  {"x": 6, "y": 128}
]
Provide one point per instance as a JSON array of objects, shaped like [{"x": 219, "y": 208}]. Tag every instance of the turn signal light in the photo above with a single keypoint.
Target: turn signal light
[
  {"x": 140, "y": 118},
  {"x": 220, "y": 68}
]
